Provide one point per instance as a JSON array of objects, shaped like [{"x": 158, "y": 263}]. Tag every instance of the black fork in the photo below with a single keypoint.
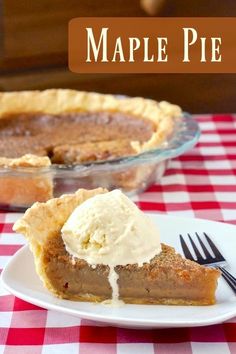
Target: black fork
[{"x": 217, "y": 260}]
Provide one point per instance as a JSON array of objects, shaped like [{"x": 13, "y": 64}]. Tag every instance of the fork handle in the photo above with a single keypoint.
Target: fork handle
[{"x": 229, "y": 278}]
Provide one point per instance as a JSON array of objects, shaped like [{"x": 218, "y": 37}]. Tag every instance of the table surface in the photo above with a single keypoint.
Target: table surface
[{"x": 200, "y": 183}]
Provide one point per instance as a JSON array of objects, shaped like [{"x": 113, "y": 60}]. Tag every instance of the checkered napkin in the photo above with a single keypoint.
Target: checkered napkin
[{"x": 201, "y": 183}]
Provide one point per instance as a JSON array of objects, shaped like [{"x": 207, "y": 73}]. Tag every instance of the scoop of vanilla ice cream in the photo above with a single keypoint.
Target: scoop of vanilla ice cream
[{"x": 110, "y": 229}]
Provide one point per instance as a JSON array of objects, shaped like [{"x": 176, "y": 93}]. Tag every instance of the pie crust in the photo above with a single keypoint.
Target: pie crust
[
  {"x": 167, "y": 279},
  {"x": 57, "y": 101}
]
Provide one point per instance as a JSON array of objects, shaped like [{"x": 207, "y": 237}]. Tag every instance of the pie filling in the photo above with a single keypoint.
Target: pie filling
[
  {"x": 167, "y": 279},
  {"x": 72, "y": 137}
]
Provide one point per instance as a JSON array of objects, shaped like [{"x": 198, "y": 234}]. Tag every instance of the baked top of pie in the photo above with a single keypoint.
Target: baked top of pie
[
  {"x": 167, "y": 279},
  {"x": 72, "y": 127}
]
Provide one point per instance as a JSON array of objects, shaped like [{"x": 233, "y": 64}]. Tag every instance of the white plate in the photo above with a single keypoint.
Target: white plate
[{"x": 20, "y": 279}]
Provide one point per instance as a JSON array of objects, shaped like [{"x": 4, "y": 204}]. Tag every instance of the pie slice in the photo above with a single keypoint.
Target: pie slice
[{"x": 168, "y": 279}]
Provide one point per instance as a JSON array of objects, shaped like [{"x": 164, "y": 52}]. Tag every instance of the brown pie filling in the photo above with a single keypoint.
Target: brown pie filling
[
  {"x": 72, "y": 137},
  {"x": 167, "y": 279}
]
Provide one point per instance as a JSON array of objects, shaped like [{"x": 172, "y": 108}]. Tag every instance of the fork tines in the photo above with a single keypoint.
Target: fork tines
[
  {"x": 217, "y": 260},
  {"x": 208, "y": 258}
]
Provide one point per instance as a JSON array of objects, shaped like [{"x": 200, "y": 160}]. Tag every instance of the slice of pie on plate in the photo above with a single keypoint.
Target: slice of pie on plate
[{"x": 167, "y": 279}]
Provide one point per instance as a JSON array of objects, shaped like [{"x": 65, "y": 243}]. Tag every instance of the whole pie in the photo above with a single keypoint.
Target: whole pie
[
  {"x": 167, "y": 279},
  {"x": 66, "y": 127}
]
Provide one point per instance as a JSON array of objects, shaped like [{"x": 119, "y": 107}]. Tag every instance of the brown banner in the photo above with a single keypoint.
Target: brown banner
[{"x": 152, "y": 45}]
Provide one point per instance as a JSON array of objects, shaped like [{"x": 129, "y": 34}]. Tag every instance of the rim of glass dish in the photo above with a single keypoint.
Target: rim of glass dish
[{"x": 185, "y": 135}]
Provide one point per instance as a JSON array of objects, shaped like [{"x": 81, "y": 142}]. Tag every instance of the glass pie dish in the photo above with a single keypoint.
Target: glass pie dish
[{"x": 132, "y": 174}]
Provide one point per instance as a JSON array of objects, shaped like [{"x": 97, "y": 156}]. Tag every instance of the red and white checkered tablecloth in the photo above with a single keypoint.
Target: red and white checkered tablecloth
[{"x": 201, "y": 183}]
